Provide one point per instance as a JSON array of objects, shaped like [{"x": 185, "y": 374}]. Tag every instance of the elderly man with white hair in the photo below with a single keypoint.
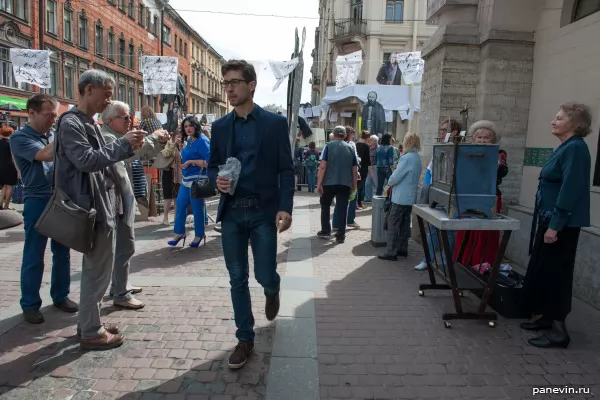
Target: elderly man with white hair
[{"x": 116, "y": 119}]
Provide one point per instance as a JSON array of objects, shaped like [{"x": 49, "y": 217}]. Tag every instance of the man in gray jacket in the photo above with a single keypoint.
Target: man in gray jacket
[
  {"x": 115, "y": 124},
  {"x": 85, "y": 171}
]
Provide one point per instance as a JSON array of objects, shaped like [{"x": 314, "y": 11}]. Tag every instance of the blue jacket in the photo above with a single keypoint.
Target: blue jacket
[
  {"x": 274, "y": 167},
  {"x": 405, "y": 179},
  {"x": 563, "y": 195},
  {"x": 384, "y": 156}
]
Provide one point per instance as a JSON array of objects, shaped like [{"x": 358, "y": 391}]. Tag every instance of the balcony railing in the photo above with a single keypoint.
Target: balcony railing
[{"x": 350, "y": 27}]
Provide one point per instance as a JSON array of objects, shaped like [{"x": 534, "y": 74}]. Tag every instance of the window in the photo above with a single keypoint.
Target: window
[
  {"x": 185, "y": 50},
  {"x": 18, "y": 8},
  {"x": 121, "y": 5},
  {"x": 69, "y": 72},
  {"x": 122, "y": 92},
  {"x": 111, "y": 44},
  {"x": 155, "y": 25},
  {"x": 50, "y": 16},
  {"x": 176, "y": 41},
  {"x": 148, "y": 19},
  {"x": 166, "y": 35},
  {"x": 140, "y": 98},
  {"x": 131, "y": 10},
  {"x": 394, "y": 11},
  {"x": 131, "y": 98},
  {"x": 83, "y": 31},
  {"x": 6, "y": 73},
  {"x": 67, "y": 25},
  {"x": 584, "y": 8},
  {"x": 140, "y": 61},
  {"x": 99, "y": 39},
  {"x": 180, "y": 46},
  {"x": 121, "y": 50},
  {"x": 131, "y": 55},
  {"x": 356, "y": 10},
  {"x": 141, "y": 14}
]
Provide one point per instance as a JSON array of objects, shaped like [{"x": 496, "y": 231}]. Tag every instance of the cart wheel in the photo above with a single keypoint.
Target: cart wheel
[
  {"x": 421, "y": 293},
  {"x": 492, "y": 324},
  {"x": 447, "y": 324}
]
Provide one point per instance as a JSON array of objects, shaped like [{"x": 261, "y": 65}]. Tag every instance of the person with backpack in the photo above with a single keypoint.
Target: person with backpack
[{"x": 311, "y": 161}]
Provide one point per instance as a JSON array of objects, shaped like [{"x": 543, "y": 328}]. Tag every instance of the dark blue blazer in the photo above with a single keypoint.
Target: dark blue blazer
[{"x": 274, "y": 165}]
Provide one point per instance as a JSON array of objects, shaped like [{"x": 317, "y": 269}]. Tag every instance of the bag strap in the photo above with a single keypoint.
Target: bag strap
[{"x": 56, "y": 156}]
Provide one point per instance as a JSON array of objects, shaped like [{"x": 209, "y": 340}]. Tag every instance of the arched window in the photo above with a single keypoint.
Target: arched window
[{"x": 99, "y": 39}]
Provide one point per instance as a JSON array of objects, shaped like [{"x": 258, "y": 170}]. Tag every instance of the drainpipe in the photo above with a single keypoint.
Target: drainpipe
[
  {"x": 414, "y": 48},
  {"x": 41, "y": 23}
]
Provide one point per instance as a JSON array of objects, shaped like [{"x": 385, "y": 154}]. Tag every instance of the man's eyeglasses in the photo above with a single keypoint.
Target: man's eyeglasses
[
  {"x": 125, "y": 117},
  {"x": 233, "y": 82}
]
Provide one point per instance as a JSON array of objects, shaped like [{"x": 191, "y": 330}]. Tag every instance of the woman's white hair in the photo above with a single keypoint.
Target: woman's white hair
[
  {"x": 374, "y": 137},
  {"x": 486, "y": 125}
]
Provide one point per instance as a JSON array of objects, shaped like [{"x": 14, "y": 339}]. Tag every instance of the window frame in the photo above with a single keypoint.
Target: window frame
[
  {"x": 54, "y": 20},
  {"x": 131, "y": 55},
  {"x": 394, "y": 4},
  {"x": 67, "y": 11},
  {"x": 110, "y": 45},
  {"x": 121, "y": 49},
  {"x": 83, "y": 32},
  {"x": 99, "y": 39}
]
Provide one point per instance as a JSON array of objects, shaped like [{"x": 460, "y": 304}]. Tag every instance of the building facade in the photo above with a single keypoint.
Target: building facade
[
  {"x": 514, "y": 62},
  {"x": 378, "y": 28},
  {"x": 111, "y": 35}
]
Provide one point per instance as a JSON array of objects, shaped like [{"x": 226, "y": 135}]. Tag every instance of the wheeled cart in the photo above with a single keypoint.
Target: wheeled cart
[{"x": 436, "y": 227}]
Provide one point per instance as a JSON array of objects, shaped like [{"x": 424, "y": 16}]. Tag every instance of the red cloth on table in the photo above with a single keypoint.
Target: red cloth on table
[{"x": 482, "y": 246}]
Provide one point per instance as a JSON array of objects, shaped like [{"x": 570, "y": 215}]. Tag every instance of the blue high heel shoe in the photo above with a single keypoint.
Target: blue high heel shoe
[
  {"x": 174, "y": 243},
  {"x": 197, "y": 244}
]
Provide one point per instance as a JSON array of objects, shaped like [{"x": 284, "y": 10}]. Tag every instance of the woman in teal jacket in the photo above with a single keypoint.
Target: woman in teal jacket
[{"x": 562, "y": 208}]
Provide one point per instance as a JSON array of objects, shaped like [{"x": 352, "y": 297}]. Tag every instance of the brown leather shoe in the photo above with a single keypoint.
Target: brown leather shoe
[
  {"x": 67, "y": 305},
  {"x": 272, "y": 307},
  {"x": 240, "y": 355},
  {"x": 110, "y": 328},
  {"x": 106, "y": 341},
  {"x": 131, "y": 304}
]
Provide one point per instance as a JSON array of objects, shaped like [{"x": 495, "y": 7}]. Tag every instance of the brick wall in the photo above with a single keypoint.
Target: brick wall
[{"x": 132, "y": 27}]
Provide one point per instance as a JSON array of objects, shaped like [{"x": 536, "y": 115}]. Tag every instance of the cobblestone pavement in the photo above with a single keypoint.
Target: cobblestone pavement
[{"x": 375, "y": 338}]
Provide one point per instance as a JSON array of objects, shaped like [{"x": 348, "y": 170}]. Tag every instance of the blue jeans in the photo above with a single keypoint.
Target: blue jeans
[
  {"x": 184, "y": 199},
  {"x": 311, "y": 177},
  {"x": 370, "y": 185},
  {"x": 383, "y": 173},
  {"x": 238, "y": 226},
  {"x": 433, "y": 242},
  {"x": 32, "y": 268},
  {"x": 351, "y": 214}
]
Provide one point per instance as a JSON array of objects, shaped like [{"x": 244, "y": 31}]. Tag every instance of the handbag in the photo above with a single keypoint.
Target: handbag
[
  {"x": 17, "y": 194},
  {"x": 64, "y": 221},
  {"x": 202, "y": 189}
]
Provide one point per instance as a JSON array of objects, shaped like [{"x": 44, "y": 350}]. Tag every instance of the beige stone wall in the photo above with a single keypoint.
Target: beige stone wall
[{"x": 565, "y": 69}]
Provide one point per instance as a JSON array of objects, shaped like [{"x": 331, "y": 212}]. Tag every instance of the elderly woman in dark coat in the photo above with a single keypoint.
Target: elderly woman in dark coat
[{"x": 562, "y": 208}]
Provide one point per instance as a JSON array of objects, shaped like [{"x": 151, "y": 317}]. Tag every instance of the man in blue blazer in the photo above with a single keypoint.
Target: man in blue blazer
[{"x": 262, "y": 201}]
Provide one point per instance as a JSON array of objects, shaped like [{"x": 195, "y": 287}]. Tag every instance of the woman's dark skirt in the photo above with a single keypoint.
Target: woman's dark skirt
[
  {"x": 169, "y": 188},
  {"x": 548, "y": 286}
]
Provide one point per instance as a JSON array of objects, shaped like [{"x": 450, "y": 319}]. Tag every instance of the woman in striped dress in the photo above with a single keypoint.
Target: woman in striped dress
[{"x": 194, "y": 158}]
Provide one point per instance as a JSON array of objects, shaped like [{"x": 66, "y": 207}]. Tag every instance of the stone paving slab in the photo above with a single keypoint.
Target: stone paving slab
[{"x": 377, "y": 339}]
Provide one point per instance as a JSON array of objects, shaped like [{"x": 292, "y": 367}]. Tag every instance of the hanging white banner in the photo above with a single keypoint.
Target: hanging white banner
[
  {"x": 31, "y": 66},
  {"x": 348, "y": 69},
  {"x": 281, "y": 69},
  {"x": 160, "y": 75},
  {"x": 412, "y": 66}
]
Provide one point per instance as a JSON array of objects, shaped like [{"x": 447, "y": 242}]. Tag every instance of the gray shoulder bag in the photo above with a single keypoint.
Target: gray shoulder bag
[{"x": 63, "y": 220}]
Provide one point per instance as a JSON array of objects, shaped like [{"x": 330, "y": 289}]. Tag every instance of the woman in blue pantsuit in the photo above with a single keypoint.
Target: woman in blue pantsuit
[{"x": 194, "y": 159}]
